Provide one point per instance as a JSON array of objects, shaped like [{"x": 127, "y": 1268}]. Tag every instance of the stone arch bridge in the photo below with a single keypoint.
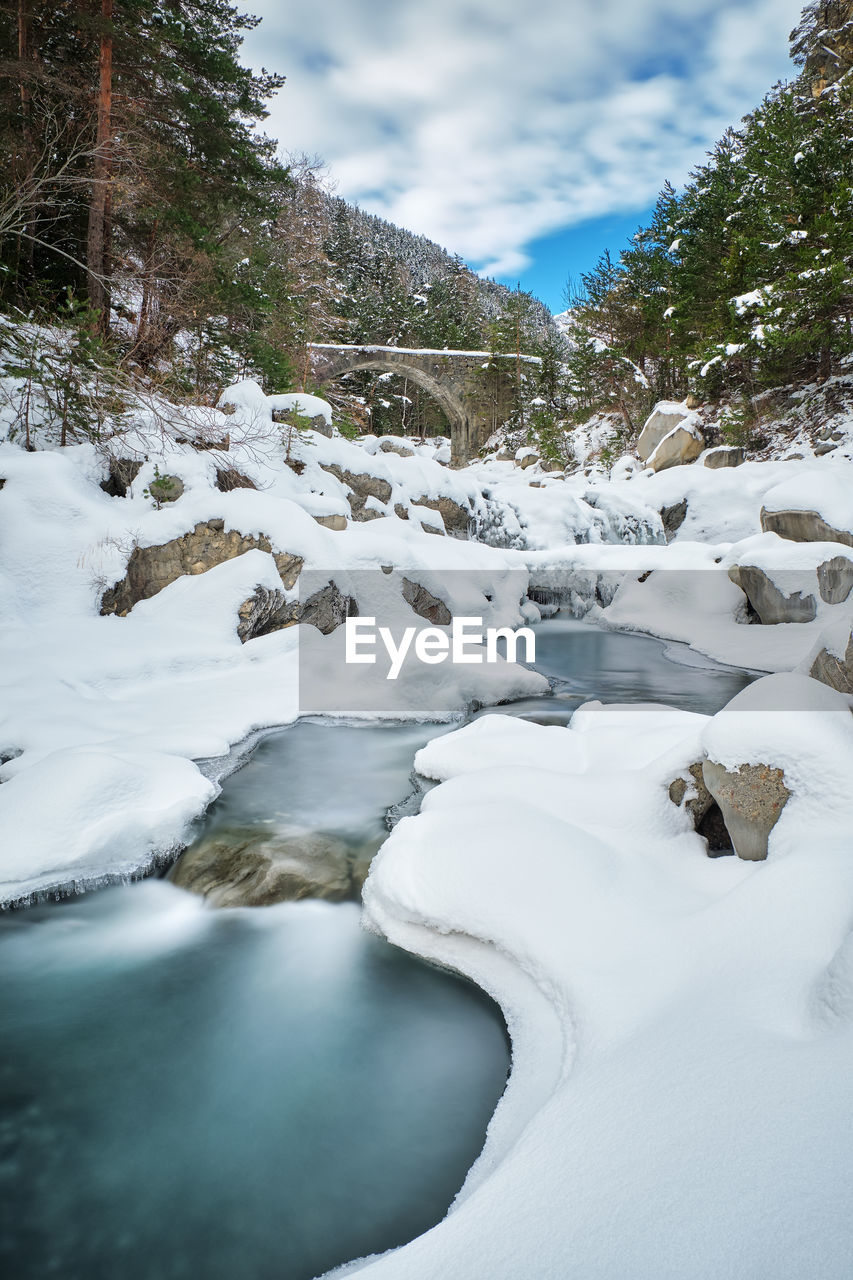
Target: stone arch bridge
[{"x": 473, "y": 388}]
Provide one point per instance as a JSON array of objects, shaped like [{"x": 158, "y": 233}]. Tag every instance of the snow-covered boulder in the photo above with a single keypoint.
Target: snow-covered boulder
[
  {"x": 208, "y": 544},
  {"x": 751, "y": 798},
  {"x": 681, "y": 445},
  {"x": 768, "y": 600},
  {"x": 816, "y": 506},
  {"x": 665, "y": 416}
]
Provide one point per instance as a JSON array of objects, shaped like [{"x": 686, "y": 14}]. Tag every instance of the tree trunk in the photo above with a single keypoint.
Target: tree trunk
[
  {"x": 26, "y": 244},
  {"x": 99, "y": 230}
]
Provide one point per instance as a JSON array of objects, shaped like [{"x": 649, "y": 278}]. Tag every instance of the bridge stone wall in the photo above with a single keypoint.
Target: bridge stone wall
[{"x": 474, "y": 398}]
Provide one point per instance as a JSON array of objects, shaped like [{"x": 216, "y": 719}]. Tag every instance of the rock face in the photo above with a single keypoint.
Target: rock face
[
  {"x": 673, "y": 518},
  {"x": 425, "y": 604},
  {"x": 456, "y": 517},
  {"x": 803, "y": 526},
  {"x": 362, "y": 486},
  {"x": 244, "y": 869},
  {"x": 835, "y": 579},
  {"x": 266, "y": 611},
  {"x": 834, "y": 671},
  {"x": 660, "y": 422},
  {"x": 122, "y": 473},
  {"x": 150, "y": 569},
  {"x": 724, "y": 456},
  {"x": 751, "y": 798},
  {"x": 675, "y": 450},
  {"x": 768, "y": 600}
]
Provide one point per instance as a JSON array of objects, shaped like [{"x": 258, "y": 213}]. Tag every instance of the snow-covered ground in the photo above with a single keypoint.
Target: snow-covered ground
[{"x": 681, "y": 1025}]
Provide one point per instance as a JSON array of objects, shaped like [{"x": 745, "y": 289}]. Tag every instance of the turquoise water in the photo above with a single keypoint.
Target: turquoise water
[
  {"x": 252, "y": 1094},
  {"x": 228, "y": 1095}
]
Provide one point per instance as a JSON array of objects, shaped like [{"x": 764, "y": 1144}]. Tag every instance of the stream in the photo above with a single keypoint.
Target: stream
[{"x": 249, "y": 1094}]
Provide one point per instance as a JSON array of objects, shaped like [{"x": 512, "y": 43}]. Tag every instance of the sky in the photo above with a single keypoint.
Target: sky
[{"x": 526, "y": 138}]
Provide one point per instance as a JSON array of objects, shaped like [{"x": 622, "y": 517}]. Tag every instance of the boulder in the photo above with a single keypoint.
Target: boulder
[
  {"x": 527, "y": 459},
  {"x": 397, "y": 446},
  {"x": 835, "y": 579},
  {"x": 400, "y": 511},
  {"x": 768, "y": 600},
  {"x": 362, "y": 485},
  {"x": 676, "y": 449},
  {"x": 165, "y": 488},
  {"x": 803, "y": 526},
  {"x": 724, "y": 456},
  {"x": 663, "y": 418},
  {"x": 751, "y": 798},
  {"x": 265, "y": 611},
  {"x": 121, "y": 475},
  {"x": 425, "y": 604},
  {"x": 456, "y": 517},
  {"x": 833, "y": 670},
  {"x": 248, "y": 868},
  {"x": 150, "y": 569}
]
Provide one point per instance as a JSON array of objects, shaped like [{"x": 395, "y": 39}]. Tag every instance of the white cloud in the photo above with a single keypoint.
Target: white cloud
[{"x": 486, "y": 125}]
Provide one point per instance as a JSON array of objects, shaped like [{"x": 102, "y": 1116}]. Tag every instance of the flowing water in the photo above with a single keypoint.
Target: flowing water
[{"x": 243, "y": 1094}]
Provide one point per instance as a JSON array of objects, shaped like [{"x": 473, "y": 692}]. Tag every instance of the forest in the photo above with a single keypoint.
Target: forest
[{"x": 152, "y": 234}]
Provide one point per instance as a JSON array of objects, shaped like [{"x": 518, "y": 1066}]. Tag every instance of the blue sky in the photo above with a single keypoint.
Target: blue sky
[{"x": 526, "y": 139}]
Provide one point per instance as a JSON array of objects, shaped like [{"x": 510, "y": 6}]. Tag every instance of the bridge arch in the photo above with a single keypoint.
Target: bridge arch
[{"x": 452, "y": 378}]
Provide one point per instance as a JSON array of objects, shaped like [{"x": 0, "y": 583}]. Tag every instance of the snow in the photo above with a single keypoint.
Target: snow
[
  {"x": 815, "y": 489},
  {"x": 682, "y": 1027},
  {"x": 679, "y": 1090}
]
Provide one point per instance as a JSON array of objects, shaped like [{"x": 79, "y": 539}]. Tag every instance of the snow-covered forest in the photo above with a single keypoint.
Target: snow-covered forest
[{"x": 319, "y": 697}]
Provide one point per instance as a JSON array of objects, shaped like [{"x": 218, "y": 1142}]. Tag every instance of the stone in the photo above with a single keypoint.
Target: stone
[
  {"x": 663, "y": 418},
  {"x": 122, "y": 473},
  {"x": 327, "y": 609},
  {"x": 265, "y": 611},
  {"x": 527, "y": 460},
  {"x": 835, "y": 579},
  {"x": 724, "y": 456},
  {"x": 803, "y": 526},
  {"x": 336, "y": 522},
  {"x": 150, "y": 569},
  {"x": 400, "y": 511},
  {"x": 398, "y": 447},
  {"x": 768, "y": 600},
  {"x": 248, "y": 868},
  {"x": 228, "y": 478},
  {"x": 673, "y": 518},
  {"x": 425, "y": 604},
  {"x": 751, "y": 798},
  {"x": 834, "y": 671},
  {"x": 699, "y": 798},
  {"x": 676, "y": 449},
  {"x": 826, "y": 447},
  {"x": 165, "y": 488},
  {"x": 456, "y": 517},
  {"x": 362, "y": 485}
]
